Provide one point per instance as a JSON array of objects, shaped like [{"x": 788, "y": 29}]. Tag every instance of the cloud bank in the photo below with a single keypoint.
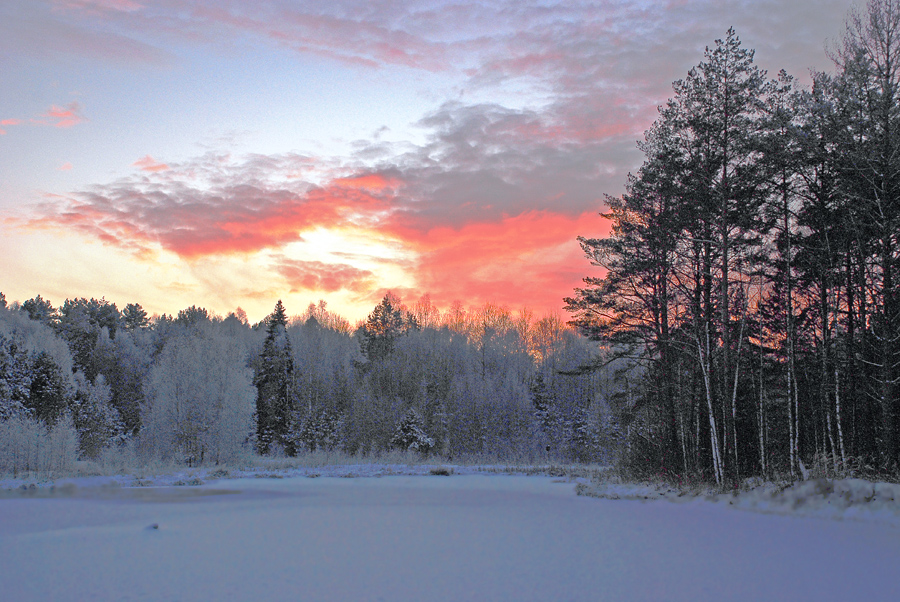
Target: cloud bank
[{"x": 550, "y": 98}]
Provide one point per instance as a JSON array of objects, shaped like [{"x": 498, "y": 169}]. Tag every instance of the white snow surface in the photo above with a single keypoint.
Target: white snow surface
[
  {"x": 409, "y": 535},
  {"x": 842, "y": 499}
]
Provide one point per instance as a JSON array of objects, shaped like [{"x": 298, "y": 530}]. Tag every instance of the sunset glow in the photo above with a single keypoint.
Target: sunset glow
[{"x": 225, "y": 154}]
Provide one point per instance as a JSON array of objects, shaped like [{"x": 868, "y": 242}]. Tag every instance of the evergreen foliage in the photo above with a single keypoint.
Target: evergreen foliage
[
  {"x": 382, "y": 327},
  {"x": 97, "y": 422},
  {"x": 39, "y": 310},
  {"x": 274, "y": 383},
  {"x": 410, "y": 434},
  {"x": 134, "y": 317}
]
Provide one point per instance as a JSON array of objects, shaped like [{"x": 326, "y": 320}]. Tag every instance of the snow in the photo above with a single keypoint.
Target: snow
[
  {"x": 420, "y": 537},
  {"x": 843, "y": 499}
]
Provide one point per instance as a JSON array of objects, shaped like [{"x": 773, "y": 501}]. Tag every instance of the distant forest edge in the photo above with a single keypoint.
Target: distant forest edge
[
  {"x": 748, "y": 319},
  {"x": 201, "y": 389}
]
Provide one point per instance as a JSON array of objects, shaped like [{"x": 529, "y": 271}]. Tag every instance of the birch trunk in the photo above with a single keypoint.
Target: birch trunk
[
  {"x": 713, "y": 429},
  {"x": 837, "y": 416}
]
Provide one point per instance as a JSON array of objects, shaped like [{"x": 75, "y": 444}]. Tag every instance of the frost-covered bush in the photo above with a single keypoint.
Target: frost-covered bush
[
  {"x": 316, "y": 431},
  {"x": 410, "y": 434},
  {"x": 28, "y": 445}
]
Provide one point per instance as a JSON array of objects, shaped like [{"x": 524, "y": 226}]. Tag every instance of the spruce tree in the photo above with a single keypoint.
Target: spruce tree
[
  {"x": 383, "y": 325},
  {"x": 410, "y": 434},
  {"x": 274, "y": 386}
]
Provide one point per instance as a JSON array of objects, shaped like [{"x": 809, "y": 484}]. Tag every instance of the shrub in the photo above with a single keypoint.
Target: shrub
[
  {"x": 410, "y": 434},
  {"x": 28, "y": 445}
]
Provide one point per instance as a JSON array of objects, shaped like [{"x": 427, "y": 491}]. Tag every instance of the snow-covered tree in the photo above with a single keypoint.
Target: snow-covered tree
[
  {"x": 98, "y": 423},
  {"x": 274, "y": 382},
  {"x": 200, "y": 399},
  {"x": 410, "y": 434},
  {"x": 318, "y": 430},
  {"x": 28, "y": 445}
]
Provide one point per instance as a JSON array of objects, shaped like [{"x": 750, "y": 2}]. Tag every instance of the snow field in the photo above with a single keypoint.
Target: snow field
[{"x": 466, "y": 537}]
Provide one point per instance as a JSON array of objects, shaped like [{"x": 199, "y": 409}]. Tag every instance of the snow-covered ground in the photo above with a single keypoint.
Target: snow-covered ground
[
  {"x": 421, "y": 537},
  {"x": 842, "y": 499}
]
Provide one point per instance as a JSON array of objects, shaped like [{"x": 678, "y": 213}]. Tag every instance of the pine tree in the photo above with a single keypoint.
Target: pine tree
[
  {"x": 40, "y": 310},
  {"x": 192, "y": 315},
  {"x": 48, "y": 396},
  {"x": 134, "y": 317},
  {"x": 98, "y": 423},
  {"x": 868, "y": 91},
  {"x": 684, "y": 243}
]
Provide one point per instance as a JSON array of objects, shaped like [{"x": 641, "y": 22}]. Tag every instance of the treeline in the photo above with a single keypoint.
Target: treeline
[
  {"x": 86, "y": 380},
  {"x": 752, "y": 266}
]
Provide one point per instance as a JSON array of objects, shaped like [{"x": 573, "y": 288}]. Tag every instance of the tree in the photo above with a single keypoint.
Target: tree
[
  {"x": 718, "y": 121},
  {"x": 48, "y": 395},
  {"x": 98, "y": 423},
  {"x": 868, "y": 91},
  {"x": 200, "y": 399},
  {"x": 685, "y": 241},
  {"x": 319, "y": 312},
  {"x": 274, "y": 383},
  {"x": 134, "y": 317},
  {"x": 316, "y": 430},
  {"x": 384, "y": 324},
  {"x": 784, "y": 156},
  {"x": 15, "y": 379},
  {"x": 192, "y": 315},
  {"x": 630, "y": 309},
  {"x": 40, "y": 310},
  {"x": 410, "y": 434}
]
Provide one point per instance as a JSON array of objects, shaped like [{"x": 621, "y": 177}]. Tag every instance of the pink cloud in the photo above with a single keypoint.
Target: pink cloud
[
  {"x": 490, "y": 205},
  {"x": 66, "y": 116},
  {"x": 227, "y": 215},
  {"x": 8, "y": 122},
  {"x": 65, "y": 166},
  {"x": 148, "y": 163},
  {"x": 60, "y": 117},
  {"x": 324, "y": 277}
]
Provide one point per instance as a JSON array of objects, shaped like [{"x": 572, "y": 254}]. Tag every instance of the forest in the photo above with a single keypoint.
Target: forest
[
  {"x": 86, "y": 380},
  {"x": 752, "y": 266},
  {"x": 745, "y": 320}
]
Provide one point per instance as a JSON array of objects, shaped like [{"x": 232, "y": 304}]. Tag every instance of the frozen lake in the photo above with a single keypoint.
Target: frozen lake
[{"x": 467, "y": 537}]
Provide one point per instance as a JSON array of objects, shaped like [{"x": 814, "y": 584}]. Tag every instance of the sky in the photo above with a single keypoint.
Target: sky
[{"x": 228, "y": 154}]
